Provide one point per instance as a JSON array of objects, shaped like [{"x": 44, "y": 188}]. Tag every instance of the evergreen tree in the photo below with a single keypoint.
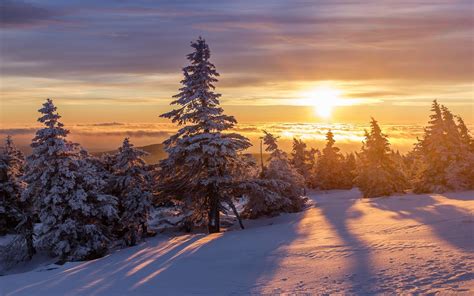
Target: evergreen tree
[
  {"x": 66, "y": 193},
  {"x": 466, "y": 138},
  {"x": 280, "y": 188},
  {"x": 299, "y": 157},
  {"x": 132, "y": 188},
  {"x": 460, "y": 172},
  {"x": 453, "y": 141},
  {"x": 431, "y": 175},
  {"x": 279, "y": 166},
  {"x": 303, "y": 160},
  {"x": 378, "y": 175},
  {"x": 201, "y": 155},
  {"x": 18, "y": 214},
  {"x": 330, "y": 168},
  {"x": 11, "y": 186},
  {"x": 349, "y": 171},
  {"x": 444, "y": 154}
]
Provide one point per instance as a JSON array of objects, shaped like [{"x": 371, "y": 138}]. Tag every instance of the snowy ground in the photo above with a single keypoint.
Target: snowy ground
[{"x": 341, "y": 244}]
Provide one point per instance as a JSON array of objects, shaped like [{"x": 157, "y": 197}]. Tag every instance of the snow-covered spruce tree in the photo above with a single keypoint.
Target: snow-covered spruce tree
[
  {"x": 377, "y": 173},
  {"x": 18, "y": 214},
  {"x": 72, "y": 210},
  {"x": 280, "y": 188},
  {"x": 460, "y": 172},
  {"x": 349, "y": 171},
  {"x": 11, "y": 186},
  {"x": 280, "y": 168},
  {"x": 465, "y": 134},
  {"x": 330, "y": 171},
  {"x": 131, "y": 185},
  {"x": 303, "y": 160},
  {"x": 443, "y": 154},
  {"x": 201, "y": 156},
  {"x": 431, "y": 149}
]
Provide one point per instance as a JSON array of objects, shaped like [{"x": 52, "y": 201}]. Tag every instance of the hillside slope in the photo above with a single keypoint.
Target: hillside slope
[
  {"x": 155, "y": 152},
  {"x": 340, "y": 244}
]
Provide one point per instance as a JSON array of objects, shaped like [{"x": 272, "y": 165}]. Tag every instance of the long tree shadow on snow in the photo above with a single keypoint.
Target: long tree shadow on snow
[
  {"x": 337, "y": 209},
  {"x": 464, "y": 196},
  {"x": 450, "y": 223},
  {"x": 239, "y": 262},
  {"x": 103, "y": 276},
  {"x": 217, "y": 264}
]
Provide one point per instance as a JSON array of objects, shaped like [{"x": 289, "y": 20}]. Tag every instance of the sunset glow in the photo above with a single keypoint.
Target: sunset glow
[
  {"x": 285, "y": 68},
  {"x": 236, "y": 147},
  {"x": 324, "y": 99}
]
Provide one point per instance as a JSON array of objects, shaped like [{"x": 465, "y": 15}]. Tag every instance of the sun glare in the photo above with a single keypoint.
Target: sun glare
[{"x": 323, "y": 99}]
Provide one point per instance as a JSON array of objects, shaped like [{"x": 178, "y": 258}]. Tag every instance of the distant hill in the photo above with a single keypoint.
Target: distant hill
[{"x": 156, "y": 153}]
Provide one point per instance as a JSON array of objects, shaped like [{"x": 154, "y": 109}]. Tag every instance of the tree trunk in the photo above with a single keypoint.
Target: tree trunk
[
  {"x": 262, "y": 173},
  {"x": 232, "y": 206},
  {"x": 144, "y": 229},
  {"x": 213, "y": 214},
  {"x": 29, "y": 238},
  {"x": 133, "y": 237}
]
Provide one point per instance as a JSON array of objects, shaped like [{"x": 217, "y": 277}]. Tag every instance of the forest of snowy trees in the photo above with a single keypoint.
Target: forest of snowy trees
[{"x": 65, "y": 202}]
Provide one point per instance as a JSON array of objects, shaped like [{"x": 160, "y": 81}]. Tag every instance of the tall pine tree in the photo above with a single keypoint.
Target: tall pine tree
[
  {"x": 66, "y": 193},
  {"x": 202, "y": 154}
]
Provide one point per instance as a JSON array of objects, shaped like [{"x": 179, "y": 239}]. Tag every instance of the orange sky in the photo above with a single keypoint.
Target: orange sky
[{"x": 114, "y": 61}]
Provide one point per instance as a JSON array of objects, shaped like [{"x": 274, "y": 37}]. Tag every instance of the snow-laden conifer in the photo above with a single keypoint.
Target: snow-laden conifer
[
  {"x": 11, "y": 186},
  {"x": 132, "y": 188},
  {"x": 67, "y": 194},
  {"x": 460, "y": 172},
  {"x": 202, "y": 154},
  {"x": 280, "y": 188},
  {"x": 18, "y": 214},
  {"x": 303, "y": 160},
  {"x": 377, "y": 173},
  {"x": 330, "y": 171},
  {"x": 444, "y": 154},
  {"x": 349, "y": 170}
]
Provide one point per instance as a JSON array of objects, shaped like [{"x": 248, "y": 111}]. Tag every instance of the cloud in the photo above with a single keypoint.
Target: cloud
[
  {"x": 110, "y": 129},
  {"x": 17, "y": 131},
  {"x": 125, "y": 133},
  {"x": 103, "y": 124},
  {"x": 99, "y": 137},
  {"x": 132, "y": 52},
  {"x": 347, "y": 42},
  {"x": 19, "y": 14}
]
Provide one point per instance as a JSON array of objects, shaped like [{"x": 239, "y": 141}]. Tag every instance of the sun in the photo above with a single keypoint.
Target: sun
[{"x": 323, "y": 99}]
